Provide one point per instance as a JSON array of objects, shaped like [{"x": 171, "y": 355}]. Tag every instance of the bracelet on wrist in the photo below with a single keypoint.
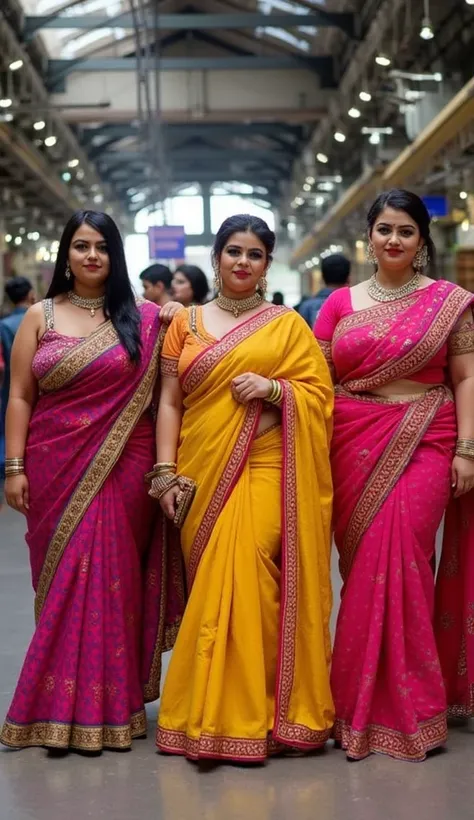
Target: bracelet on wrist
[
  {"x": 276, "y": 393},
  {"x": 465, "y": 448}
]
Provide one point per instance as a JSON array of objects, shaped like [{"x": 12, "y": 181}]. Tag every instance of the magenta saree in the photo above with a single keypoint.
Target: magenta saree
[
  {"x": 97, "y": 549},
  {"x": 391, "y": 464}
]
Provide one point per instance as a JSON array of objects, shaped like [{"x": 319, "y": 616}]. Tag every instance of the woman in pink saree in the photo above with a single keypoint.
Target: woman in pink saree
[
  {"x": 401, "y": 348},
  {"x": 80, "y": 438}
]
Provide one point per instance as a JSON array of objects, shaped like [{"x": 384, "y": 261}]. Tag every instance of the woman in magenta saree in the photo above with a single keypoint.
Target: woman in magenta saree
[
  {"x": 392, "y": 461},
  {"x": 96, "y": 548}
]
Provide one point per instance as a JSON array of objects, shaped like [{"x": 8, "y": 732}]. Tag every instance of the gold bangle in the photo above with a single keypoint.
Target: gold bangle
[
  {"x": 14, "y": 462},
  {"x": 274, "y": 391},
  {"x": 466, "y": 442},
  {"x": 11, "y": 471},
  {"x": 162, "y": 464}
]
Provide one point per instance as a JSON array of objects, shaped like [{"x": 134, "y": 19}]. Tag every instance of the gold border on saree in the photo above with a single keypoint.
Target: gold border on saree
[
  {"x": 74, "y": 735},
  {"x": 377, "y": 739}
]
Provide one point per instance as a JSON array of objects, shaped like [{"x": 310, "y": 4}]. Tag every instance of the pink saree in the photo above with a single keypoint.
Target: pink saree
[
  {"x": 391, "y": 464},
  {"x": 99, "y": 562}
]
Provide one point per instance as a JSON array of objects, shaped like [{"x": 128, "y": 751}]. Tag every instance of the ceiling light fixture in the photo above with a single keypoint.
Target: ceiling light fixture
[
  {"x": 8, "y": 237},
  {"x": 374, "y": 138},
  {"x": 463, "y": 195},
  {"x": 16, "y": 65},
  {"x": 322, "y": 158},
  {"x": 73, "y": 163},
  {"x": 6, "y": 102},
  {"x": 339, "y": 136},
  {"x": 383, "y": 60},
  {"x": 39, "y": 125},
  {"x": 365, "y": 96},
  {"x": 50, "y": 141},
  {"x": 426, "y": 31},
  {"x": 354, "y": 113}
]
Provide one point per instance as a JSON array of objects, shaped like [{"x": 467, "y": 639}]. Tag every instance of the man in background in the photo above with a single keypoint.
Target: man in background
[
  {"x": 157, "y": 284},
  {"x": 19, "y": 291},
  {"x": 278, "y": 298},
  {"x": 336, "y": 271}
]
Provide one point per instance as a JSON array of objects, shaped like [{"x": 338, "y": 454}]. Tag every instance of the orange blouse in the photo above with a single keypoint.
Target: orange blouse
[{"x": 185, "y": 339}]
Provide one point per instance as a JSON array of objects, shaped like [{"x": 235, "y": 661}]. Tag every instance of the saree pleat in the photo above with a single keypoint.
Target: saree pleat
[
  {"x": 94, "y": 539},
  {"x": 250, "y": 667}
]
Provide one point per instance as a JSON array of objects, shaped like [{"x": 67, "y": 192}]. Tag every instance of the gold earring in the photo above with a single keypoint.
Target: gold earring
[
  {"x": 68, "y": 271},
  {"x": 370, "y": 254},
  {"x": 263, "y": 285},
  {"x": 217, "y": 277},
  {"x": 421, "y": 258}
]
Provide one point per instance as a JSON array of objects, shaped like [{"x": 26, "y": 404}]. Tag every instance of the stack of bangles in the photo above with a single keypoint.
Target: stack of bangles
[
  {"x": 163, "y": 478},
  {"x": 14, "y": 466},
  {"x": 465, "y": 448},
  {"x": 276, "y": 393}
]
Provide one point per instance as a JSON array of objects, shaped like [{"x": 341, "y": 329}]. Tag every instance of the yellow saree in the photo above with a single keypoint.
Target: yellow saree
[{"x": 250, "y": 670}]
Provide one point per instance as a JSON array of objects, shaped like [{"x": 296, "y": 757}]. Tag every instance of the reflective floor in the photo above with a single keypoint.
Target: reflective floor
[{"x": 144, "y": 785}]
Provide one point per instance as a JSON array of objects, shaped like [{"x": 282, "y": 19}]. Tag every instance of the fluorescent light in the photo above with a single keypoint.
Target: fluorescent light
[
  {"x": 6, "y": 102},
  {"x": 339, "y": 136},
  {"x": 375, "y": 130},
  {"x": 354, "y": 113},
  {"x": 365, "y": 96},
  {"x": 426, "y": 32},
  {"x": 15, "y": 65},
  {"x": 463, "y": 194},
  {"x": 73, "y": 163},
  {"x": 39, "y": 125},
  {"x": 383, "y": 60},
  {"x": 322, "y": 158},
  {"x": 50, "y": 141}
]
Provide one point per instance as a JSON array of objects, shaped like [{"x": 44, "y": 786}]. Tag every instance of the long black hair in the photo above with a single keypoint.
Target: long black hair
[
  {"x": 243, "y": 223},
  {"x": 402, "y": 200},
  {"x": 198, "y": 281},
  {"x": 119, "y": 305}
]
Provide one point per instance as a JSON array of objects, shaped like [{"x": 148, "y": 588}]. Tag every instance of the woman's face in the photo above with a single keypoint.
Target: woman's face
[
  {"x": 182, "y": 289},
  {"x": 89, "y": 258},
  {"x": 242, "y": 263},
  {"x": 396, "y": 239}
]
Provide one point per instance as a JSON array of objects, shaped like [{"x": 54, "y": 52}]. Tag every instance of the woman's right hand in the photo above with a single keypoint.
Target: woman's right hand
[
  {"x": 168, "y": 502},
  {"x": 17, "y": 493}
]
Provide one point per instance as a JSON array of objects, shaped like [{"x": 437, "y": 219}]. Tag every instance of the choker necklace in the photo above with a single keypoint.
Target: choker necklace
[
  {"x": 86, "y": 304},
  {"x": 238, "y": 306},
  {"x": 381, "y": 294}
]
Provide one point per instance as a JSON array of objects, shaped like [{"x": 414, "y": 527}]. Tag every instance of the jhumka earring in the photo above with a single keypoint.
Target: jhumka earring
[
  {"x": 370, "y": 254},
  {"x": 217, "y": 277},
  {"x": 421, "y": 258},
  {"x": 68, "y": 271},
  {"x": 263, "y": 285}
]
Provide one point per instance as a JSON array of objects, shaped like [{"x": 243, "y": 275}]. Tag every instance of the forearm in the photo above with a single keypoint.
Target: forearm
[
  {"x": 17, "y": 422},
  {"x": 464, "y": 395},
  {"x": 168, "y": 426}
]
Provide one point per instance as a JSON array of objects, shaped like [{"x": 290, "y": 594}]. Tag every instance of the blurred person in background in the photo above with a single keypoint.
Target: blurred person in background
[
  {"x": 335, "y": 271},
  {"x": 245, "y": 414},
  {"x": 80, "y": 438},
  {"x": 190, "y": 285},
  {"x": 157, "y": 281},
  {"x": 20, "y": 293},
  {"x": 278, "y": 298}
]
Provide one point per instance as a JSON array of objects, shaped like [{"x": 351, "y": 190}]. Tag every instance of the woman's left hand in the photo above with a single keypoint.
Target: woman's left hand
[
  {"x": 169, "y": 311},
  {"x": 250, "y": 386},
  {"x": 462, "y": 475}
]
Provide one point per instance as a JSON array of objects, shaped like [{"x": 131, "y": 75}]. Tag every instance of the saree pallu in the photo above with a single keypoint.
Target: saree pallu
[
  {"x": 391, "y": 464},
  {"x": 250, "y": 669},
  {"x": 97, "y": 551}
]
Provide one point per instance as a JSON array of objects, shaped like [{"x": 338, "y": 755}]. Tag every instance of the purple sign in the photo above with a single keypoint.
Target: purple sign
[{"x": 166, "y": 242}]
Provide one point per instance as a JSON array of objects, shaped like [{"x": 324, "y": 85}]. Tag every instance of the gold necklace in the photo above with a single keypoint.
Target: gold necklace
[
  {"x": 86, "y": 304},
  {"x": 238, "y": 306},
  {"x": 381, "y": 294}
]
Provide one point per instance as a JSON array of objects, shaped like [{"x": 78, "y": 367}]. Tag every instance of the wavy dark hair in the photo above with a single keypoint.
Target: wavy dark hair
[
  {"x": 402, "y": 200},
  {"x": 119, "y": 305},
  {"x": 198, "y": 281},
  {"x": 243, "y": 223}
]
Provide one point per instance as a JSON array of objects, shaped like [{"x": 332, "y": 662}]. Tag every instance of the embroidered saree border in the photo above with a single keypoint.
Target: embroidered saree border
[
  {"x": 201, "y": 366},
  {"x": 284, "y": 731},
  {"x": 96, "y": 475},
  {"x": 75, "y": 360},
  {"x": 212, "y": 746},
  {"x": 74, "y": 735},
  {"x": 230, "y": 476},
  {"x": 453, "y": 307},
  {"x": 169, "y": 366},
  {"x": 379, "y": 739},
  {"x": 391, "y": 466},
  {"x": 462, "y": 341}
]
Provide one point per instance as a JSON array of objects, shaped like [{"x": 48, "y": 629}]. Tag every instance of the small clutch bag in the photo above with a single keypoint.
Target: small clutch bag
[{"x": 187, "y": 491}]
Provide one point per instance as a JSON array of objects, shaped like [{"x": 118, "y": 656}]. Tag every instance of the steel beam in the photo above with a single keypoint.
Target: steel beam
[
  {"x": 184, "y": 22},
  {"x": 198, "y": 153},
  {"x": 324, "y": 66}
]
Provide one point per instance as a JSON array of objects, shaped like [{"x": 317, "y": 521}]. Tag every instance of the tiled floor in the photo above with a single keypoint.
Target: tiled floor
[{"x": 144, "y": 785}]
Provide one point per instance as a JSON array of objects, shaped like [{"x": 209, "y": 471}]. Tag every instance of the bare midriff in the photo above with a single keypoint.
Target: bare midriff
[
  {"x": 402, "y": 387},
  {"x": 268, "y": 419}
]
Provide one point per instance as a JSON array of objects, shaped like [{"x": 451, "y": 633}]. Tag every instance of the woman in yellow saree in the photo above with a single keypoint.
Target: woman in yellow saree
[{"x": 245, "y": 411}]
